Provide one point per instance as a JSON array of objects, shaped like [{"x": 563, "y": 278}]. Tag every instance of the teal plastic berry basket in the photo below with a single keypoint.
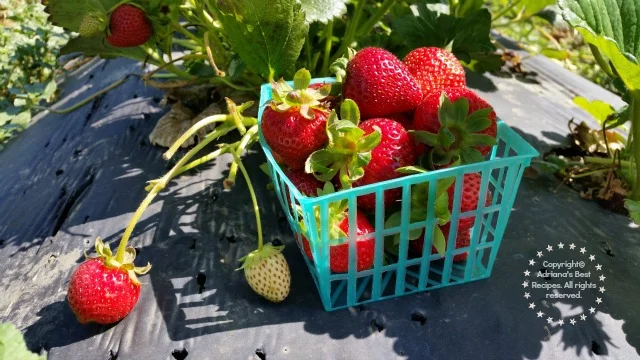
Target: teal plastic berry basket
[{"x": 404, "y": 274}]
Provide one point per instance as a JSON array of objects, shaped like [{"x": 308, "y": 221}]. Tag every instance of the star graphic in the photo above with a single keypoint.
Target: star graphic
[
  {"x": 601, "y": 289},
  {"x": 539, "y": 254},
  {"x": 560, "y": 322},
  {"x": 525, "y": 284},
  {"x": 599, "y": 267},
  {"x": 549, "y": 320},
  {"x": 572, "y": 246},
  {"x": 598, "y": 300},
  {"x": 560, "y": 246},
  {"x": 583, "y": 250},
  {"x": 532, "y": 305},
  {"x": 583, "y": 317},
  {"x": 592, "y": 257},
  {"x": 532, "y": 262},
  {"x": 592, "y": 309},
  {"x": 540, "y": 313},
  {"x": 572, "y": 321},
  {"x": 527, "y": 295},
  {"x": 602, "y": 277},
  {"x": 527, "y": 272},
  {"x": 549, "y": 248}
]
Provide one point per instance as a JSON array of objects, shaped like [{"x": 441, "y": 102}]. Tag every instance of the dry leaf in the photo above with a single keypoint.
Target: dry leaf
[{"x": 171, "y": 126}]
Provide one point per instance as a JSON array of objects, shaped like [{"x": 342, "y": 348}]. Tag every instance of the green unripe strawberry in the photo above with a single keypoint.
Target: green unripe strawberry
[
  {"x": 267, "y": 272},
  {"x": 92, "y": 24}
]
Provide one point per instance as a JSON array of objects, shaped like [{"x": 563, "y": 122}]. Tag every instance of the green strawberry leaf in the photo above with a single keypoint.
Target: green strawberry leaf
[
  {"x": 411, "y": 170},
  {"x": 610, "y": 26},
  {"x": 445, "y": 184},
  {"x": 425, "y": 137},
  {"x": 634, "y": 209},
  {"x": 301, "y": 79},
  {"x": 349, "y": 111},
  {"x": 439, "y": 241},
  {"x": 323, "y": 10},
  {"x": 480, "y": 140},
  {"x": 450, "y": 113},
  {"x": 471, "y": 155},
  {"x": 268, "y": 35},
  {"x": 478, "y": 120},
  {"x": 467, "y": 37},
  {"x": 445, "y": 137},
  {"x": 600, "y": 110},
  {"x": 13, "y": 346}
]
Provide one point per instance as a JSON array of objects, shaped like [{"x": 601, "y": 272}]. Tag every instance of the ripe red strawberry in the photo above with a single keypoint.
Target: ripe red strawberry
[
  {"x": 469, "y": 197},
  {"x": 294, "y": 122},
  {"x": 305, "y": 183},
  {"x": 435, "y": 69},
  {"x": 404, "y": 119},
  {"x": 101, "y": 292},
  {"x": 463, "y": 238},
  {"x": 455, "y": 123},
  {"x": 380, "y": 84},
  {"x": 394, "y": 151},
  {"x": 128, "y": 27},
  {"x": 339, "y": 254}
]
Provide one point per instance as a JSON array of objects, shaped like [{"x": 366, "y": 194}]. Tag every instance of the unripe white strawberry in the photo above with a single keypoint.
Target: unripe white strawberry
[{"x": 267, "y": 272}]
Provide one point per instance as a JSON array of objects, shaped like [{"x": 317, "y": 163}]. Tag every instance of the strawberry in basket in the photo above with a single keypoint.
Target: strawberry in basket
[
  {"x": 454, "y": 123},
  {"x": 294, "y": 122},
  {"x": 338, "y": 220},
  {"x": 363, "y": 153},
  {"x": 435, "y": 69}
]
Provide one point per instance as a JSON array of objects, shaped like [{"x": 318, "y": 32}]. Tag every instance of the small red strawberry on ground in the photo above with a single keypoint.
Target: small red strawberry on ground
[
  {"x": 339, "y": 228},
  {"x": 394, "y": 151},
  {"x": 294, "y": 122},
  {"x": 435, "y": 69},
  {"x": 103, "y": 290},
  {"x": 455, "y": 123},
  {"x": 128, "y": 27},
  {"x": 380, "y": 84}
]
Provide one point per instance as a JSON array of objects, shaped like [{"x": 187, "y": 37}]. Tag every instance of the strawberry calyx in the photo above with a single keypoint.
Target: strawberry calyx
[
  {"x": 255, "y": 257},
  {"x": 104, "y": 253},
  {"x": 336, "y": 214},
  {"x": 300, "y": 97},
  {"x": 458, "y": 136},
  {"x": 348, "y": 150},
  {"x": 418, "y": 212}
]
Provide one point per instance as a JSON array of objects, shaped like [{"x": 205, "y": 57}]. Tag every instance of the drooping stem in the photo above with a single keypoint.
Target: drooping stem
[
  {"x": 373, "y": 20},
  {"x": 86, "y": 100},
  {"x": 604, "y": 161},
  {"x": 327, "y": 48},
  {"x": 635, "y": 128},
  {"x": 192, "y": 130},
  {"x": 254, "y": 199},
  {"x": 506, "y": 10},
  {"x": 212, "y": 61},
  {"x": 157, "y": 187}
]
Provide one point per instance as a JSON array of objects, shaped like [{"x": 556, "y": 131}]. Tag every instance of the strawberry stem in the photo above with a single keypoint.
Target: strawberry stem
[
  {"x": 635, "y": 128},
  {"x": 327, "y": 48},
  {"x": 192, "y": 130},
  {"x": 254, "y": 200},
  {"x": 373, "y": 20},
  {"x": 247, "y": 140},
  {"x": 212, "y": 62}
]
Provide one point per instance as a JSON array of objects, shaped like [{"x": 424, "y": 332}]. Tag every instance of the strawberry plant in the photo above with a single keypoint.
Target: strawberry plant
[{"x": 609, "y": 28}]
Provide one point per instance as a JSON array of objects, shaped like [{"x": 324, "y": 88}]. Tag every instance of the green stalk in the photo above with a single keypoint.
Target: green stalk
[
  {"x": 505, "y": 10},
  {"x": 327, "y": 48},
  {"x": 157, "y": 187},
  {"x": 192, "y": 130},
  {"x": 382, "y": 11},
  {"x": 635, "y": 128},
  {"x": 247, "y": 140},
  {"x": 351, "y": 30},
  {"x": 605, "y": 161},
  {"x": 604, "y": 65},
  {"x": 307, "y": 52},
  {"x": 254, "y": 199},
  {"x": 207, "y": 158},
  {"x": 185, "y": 43}
]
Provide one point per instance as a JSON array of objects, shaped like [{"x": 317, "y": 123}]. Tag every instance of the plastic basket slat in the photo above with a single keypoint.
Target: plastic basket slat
[{"x": 501, "y": 173}]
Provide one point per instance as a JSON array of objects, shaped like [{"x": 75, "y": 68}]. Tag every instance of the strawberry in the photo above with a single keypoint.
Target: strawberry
[
  {"x": 463, "y": 238},
  {"x": 455, "y": 123},
  {"x": 92, "y": 24},
  {"x": 305, "y": 183},
  {"x": 128, "y": 27},
  {"x": 394, "y": 151},
  {"x": 102, "y": 290},
  {"x": 404, "y": 119},
  {"x": 468, "y": 198},
  {"x": 339, "y": 228},
  {"x": 435, "y": 69},
  {"x": 380, "y": 84},
  {"x": 267, "y": 273},
  {"x": 294, "y": 122}
]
